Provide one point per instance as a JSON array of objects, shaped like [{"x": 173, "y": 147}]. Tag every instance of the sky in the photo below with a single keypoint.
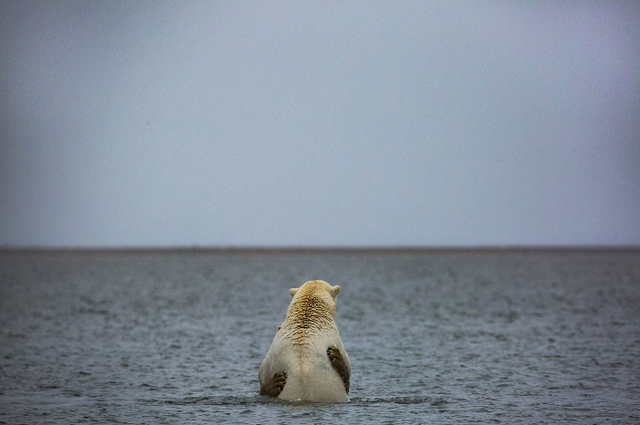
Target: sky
[{"x": 360, "y": 123}]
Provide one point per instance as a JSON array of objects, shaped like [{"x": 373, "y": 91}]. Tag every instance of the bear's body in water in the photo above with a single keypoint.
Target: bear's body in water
[{"x": 306, "y": 360}]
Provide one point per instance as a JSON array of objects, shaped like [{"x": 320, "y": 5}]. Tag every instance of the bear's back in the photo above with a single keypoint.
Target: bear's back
[{"x": 310, "y": 375}]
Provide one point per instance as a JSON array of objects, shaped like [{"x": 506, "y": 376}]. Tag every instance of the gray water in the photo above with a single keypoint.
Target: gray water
[{"x": 510, "y": 337}]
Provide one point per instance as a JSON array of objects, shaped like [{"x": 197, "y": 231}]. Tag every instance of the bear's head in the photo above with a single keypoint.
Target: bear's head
[{"x": 315, "y": 294}]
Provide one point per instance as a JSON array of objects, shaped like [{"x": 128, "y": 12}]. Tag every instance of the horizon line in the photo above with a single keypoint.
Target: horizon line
[{"x": 311, "y": 249}]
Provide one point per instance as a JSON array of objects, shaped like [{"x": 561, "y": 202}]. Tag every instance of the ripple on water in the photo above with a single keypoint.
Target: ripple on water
[{"x": 254, "y": 398}]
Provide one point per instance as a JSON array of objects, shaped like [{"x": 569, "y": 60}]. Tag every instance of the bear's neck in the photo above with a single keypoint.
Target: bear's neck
[{"x": 307, "y": 316}]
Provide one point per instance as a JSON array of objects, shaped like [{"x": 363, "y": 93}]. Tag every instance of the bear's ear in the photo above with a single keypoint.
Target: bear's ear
[
  {"x": 335, "y": 290},
  {"x": 293, "y": 291}
]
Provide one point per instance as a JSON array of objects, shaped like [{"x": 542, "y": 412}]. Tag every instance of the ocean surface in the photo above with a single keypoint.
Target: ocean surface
[{"x": 433, "y": 337}]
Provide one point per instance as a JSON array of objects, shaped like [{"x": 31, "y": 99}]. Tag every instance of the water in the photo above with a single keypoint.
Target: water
[{"x": 433, "y": 337}]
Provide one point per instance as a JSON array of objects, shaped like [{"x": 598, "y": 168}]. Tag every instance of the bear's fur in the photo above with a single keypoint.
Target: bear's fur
[{"x": 306, "y": 360}]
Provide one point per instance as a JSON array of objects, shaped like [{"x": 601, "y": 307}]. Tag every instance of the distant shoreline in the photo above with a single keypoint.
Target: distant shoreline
[{"x": 302, "y": 250}]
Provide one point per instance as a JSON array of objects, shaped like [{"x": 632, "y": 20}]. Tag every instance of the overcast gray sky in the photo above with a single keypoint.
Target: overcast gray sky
[{"x": 319, "y": 123}]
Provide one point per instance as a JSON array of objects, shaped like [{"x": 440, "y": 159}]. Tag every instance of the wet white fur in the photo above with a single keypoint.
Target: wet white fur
[{"x": 302, "y": 353}]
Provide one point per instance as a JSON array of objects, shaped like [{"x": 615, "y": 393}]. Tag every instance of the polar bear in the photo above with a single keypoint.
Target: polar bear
[{"x": 306, "y": 360}]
